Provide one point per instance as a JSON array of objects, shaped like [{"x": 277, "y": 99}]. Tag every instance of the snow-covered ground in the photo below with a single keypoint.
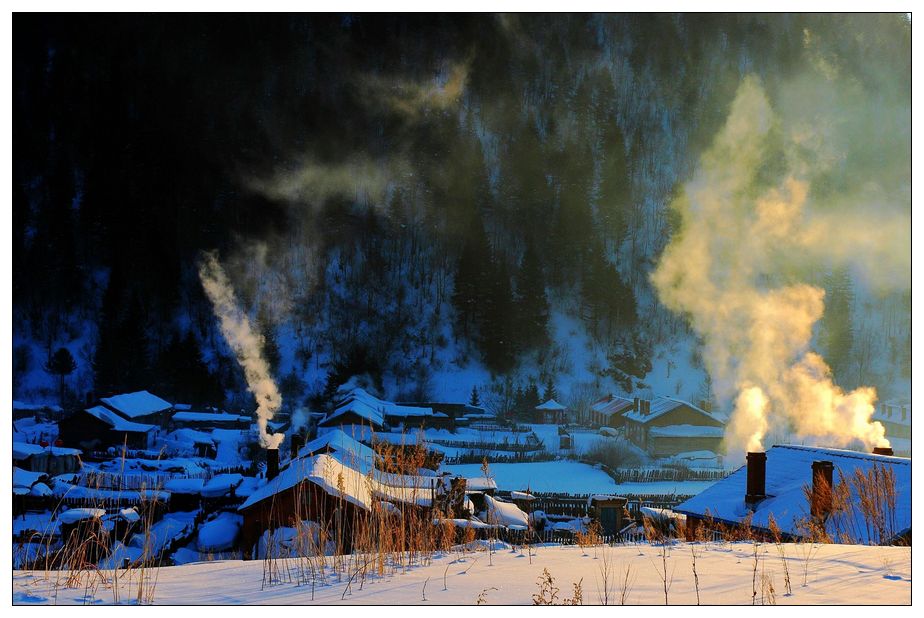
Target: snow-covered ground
[
  {"x": 571, "y": 477},
  {"x": 819, "y": 574}
]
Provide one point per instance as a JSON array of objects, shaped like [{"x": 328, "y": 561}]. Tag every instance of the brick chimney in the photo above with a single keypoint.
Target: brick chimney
[
  {"x": 635, "y": 402},
  {"x": 272, "y": 463},
  {"x": 883, "y": 450},
  {"x": 757, "y": 478},
  {"x": 822, "y": 484}
]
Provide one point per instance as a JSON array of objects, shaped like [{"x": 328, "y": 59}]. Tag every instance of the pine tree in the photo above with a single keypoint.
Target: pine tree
[
  {"x": 532, "y": 306},
  {"x": 61, "y": 364},
  {"x": 472, "y": 280},
  {"x": 549, "y": 392},
  {"x": 474, "y": 400},
  {"x": 615, "y": 185},
  {"x": 498, "y": 345},
  {"x": 837, "y": 323}
]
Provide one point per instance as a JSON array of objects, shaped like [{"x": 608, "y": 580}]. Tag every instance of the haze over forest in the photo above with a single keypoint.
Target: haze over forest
[{"x": 433, "y": 203}]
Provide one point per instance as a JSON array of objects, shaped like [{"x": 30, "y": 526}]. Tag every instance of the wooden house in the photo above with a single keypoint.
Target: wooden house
[
  {"x": 665, "y": 426},
  {"x": 97, "y": 428},
  {"x": 141, "y": 407},
  {"x": 337, "y": 489},
  {"x": 52, "y": 460},
  {"x": 608, "y": 411}
]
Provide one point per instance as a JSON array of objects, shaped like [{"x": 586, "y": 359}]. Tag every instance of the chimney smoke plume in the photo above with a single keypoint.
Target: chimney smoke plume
[
  {"x": 736, "y": 268},
  {"x": 246, "y": 344}
]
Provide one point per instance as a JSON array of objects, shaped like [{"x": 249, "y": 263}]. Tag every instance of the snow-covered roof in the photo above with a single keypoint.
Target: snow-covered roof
[
  {"x": 337, "y": 478},
  {"x": 26, "y": 478},
  {"x": 187, "y": 416},
  {"x": 24, "y": 450},
  {"x": 71, "y": 516},
  {"x": 662, "y": 405},
  {"x": 220, "y": 485},
  {"x": 788, "y": 472},
  {"x": 480, "y": 483},
  {"x": 190, "y": 436},
  {"x": 117, "y": 422},
  {"x": 133, "y": 405},
  {"x": 336, "y": 439},
  {"x": 373, "y": 409},
  {"x": 361, "y": 409},
  {"x": 611, "y": 404},
  {"x": 184, "y": 486},
  {"x": 551, "y": 404},
  {"x": 687, "y": 431},
  {"x": 504, "y": 513}
]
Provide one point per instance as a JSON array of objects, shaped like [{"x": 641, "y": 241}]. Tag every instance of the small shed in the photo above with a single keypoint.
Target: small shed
[{"x": 610, "y": 511}]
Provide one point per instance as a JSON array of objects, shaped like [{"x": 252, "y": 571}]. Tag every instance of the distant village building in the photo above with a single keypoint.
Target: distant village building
[
  {"x": 141, "y": 407},
  {"x": 665, "y": 426},
  {"x": 895, "y": 417},
  {"x": 98, "y": 427},
  {"x": 550, "y": 412},
  {"x": 608, "y": 411},
  {"x": 212, "y": 420},
  {"x": 792, "y": 485}
]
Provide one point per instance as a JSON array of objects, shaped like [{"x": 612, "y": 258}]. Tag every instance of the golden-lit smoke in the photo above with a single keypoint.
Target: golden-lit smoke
[
  {"x": 734, "y": 269},
  {"x": 311, "y": 182},
  {"x": 246, "y": 344}
]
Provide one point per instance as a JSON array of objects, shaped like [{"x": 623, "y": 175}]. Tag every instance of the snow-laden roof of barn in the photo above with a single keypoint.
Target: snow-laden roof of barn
[
  {"x": 140, "y": 403},
  {"x": 788, "y": 474},
  {"x": 611, "y": 404},
  {"x": 341, "y": 480},
  {"x": 117, "y": 422},
  {"x": 551, "y": 404},
  {"x": 335, "y": 439},
  {"x": 661, "y": 405}
]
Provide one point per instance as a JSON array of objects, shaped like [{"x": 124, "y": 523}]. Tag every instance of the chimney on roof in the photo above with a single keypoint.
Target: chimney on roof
[
  {"x": 635, "y": 402},
  {"x": 297, "y": 443},
  {"x": 822, "y": 484},
  {"x": 757, "y": 478},
  {"x": 272, "y": 463},
  {"x": 883, "y": 450},
  {"x": 646, "y": 405}
]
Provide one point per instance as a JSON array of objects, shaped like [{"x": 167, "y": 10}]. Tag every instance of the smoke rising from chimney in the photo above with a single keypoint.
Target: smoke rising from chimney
[
  {"x": 749, "y": 227},
  {"x": 246, "y": 344}
]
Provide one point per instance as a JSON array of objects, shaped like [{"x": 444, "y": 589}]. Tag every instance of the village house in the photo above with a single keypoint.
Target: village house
[
  {"x": 608, "y": 411},
  {"x": 192, "y": 419},
  {"x": 356, "y": 408},
  {"x": 665, "y": 426},
  {"x": 447, "y": 415},
  {"x": 895, "y": 417},
  {"x": 52, "y": 460},
  {"x": 337, "y": 489},
  {"x": 98, "y": 427},
  {"x": 550, "y": 412},
  {"x": 141, "y": 407},
  {"x": 792, "y": 485}
]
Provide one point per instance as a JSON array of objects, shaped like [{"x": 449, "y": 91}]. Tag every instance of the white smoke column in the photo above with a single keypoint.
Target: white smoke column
[
  {"x": 733, "y": 269},
  {"x": 246, "y": 344}
]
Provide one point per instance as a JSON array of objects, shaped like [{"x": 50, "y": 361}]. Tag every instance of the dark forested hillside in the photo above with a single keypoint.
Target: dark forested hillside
[{"x": 398, "y": 197}]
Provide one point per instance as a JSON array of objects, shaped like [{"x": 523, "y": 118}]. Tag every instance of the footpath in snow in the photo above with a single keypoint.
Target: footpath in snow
[{"x": 819, "y": 574}]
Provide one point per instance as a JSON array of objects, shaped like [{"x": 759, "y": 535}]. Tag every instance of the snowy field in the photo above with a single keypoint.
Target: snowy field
[
  {"x": 820, "y": 574},
  {"x": 571, "y": 477}
]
